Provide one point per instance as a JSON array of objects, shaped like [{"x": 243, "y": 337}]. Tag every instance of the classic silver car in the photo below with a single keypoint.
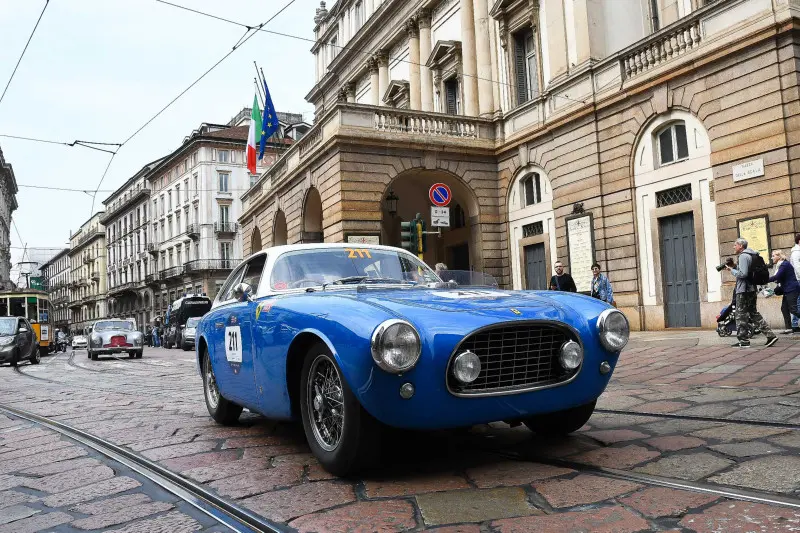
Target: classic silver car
[{"x": 115, "y": 336}]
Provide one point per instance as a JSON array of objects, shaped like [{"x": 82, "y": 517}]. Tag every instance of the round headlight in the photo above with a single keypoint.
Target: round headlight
[
  {"x": 571, "y": 355},
  {"x": 614, "y": 330},
  {"x": 466, "y": 367},
  {"x": 395, "y": 346}
]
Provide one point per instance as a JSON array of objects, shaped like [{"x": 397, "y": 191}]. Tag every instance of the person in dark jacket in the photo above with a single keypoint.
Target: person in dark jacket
[
  {"x": 789, "y": 287},
  {"x": 562, "y": 281}
]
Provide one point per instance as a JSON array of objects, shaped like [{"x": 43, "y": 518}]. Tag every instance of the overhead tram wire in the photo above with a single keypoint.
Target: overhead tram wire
[
  {"x": 46, "y": 3},
  {"x": 251, "y": 31},
  {"x": 344, "y": 47}
]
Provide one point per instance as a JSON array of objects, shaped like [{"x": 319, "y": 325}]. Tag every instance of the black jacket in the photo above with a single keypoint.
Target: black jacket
[{"x": 564, "y": 282}]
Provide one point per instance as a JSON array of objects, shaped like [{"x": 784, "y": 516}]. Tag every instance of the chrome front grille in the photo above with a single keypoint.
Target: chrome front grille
[{"x": 514, "y": 357}]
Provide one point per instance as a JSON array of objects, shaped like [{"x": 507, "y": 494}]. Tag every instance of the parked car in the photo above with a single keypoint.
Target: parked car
[
  {"x": 79, "y": 342},
  {"x": 115, "y": 336},
  {"x": 18, "y": 341},
  {"x": 181, "y": 310},
  {"x": 189, "y": 332},
  {"x": 351, "y": 337}
]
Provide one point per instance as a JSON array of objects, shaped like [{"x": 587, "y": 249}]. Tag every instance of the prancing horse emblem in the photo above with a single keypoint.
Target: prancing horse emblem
[{"x": 516, "y": 311}]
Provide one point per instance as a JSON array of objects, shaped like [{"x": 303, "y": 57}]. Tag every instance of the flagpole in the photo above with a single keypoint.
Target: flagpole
[
  {"x": 258, "y": 92},
  {"x": 260, "y": 83}
]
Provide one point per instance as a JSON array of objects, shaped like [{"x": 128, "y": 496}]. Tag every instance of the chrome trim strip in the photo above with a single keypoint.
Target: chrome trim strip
[{"x": 515, "y": 390}]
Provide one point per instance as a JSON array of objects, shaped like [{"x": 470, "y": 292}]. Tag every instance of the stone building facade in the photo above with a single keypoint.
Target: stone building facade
[
  {"x": 8, "y": 204},
  {"x": 645, "y": 137},
  {"x": 57, "y": 273},
  {"x": 87, "y": 255}
]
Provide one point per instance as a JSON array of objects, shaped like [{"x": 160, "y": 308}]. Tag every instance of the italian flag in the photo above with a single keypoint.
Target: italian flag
[{"x": 254, "y": 137}]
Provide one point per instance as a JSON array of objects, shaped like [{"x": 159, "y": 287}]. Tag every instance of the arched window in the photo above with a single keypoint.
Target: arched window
[
  {"x": 672, "y": 143},
  {"x": 531, "y": 189},
  {"x": 457, "y": 218}
]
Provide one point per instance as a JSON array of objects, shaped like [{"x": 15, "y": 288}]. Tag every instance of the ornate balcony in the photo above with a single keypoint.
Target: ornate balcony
[
  {"x": 211, "y": 264},
  {"x": 663, "y": 46},
  {"x": 172, "y": 272},
  {"x": 152, "y": 248},
  {"x": 96, "y": 275},
  {"x": 193, "y": 230},
  {"x": 123, "y": 287},
  {"x": 225, "y": 227}
]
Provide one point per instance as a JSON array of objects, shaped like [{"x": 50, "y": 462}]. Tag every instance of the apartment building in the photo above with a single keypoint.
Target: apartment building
[
  {"x": 642, "y": 134},
  {"x": 87, "y": 256},
  {"x": 57, "y": 276},
  {"x": 8, "y": 204}
]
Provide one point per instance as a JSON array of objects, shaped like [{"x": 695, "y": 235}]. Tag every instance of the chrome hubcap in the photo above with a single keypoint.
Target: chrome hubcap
[
  {"x": 212, "y": 392},
  {"x": 325, "y": 403}
]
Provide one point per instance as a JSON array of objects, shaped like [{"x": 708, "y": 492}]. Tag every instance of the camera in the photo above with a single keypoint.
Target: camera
[{"x": 728, "y": 262}]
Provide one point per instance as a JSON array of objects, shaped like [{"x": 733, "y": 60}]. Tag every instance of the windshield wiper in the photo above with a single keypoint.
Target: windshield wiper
[{"x": 365, "y": 279}]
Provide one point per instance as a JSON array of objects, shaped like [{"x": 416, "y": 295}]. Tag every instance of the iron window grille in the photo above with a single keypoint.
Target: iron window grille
[
  {"x": 533, "y": 229},
  {"x": 675, "y": 195}
]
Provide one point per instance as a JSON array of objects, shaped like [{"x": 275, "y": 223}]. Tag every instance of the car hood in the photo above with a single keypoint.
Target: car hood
[{"x": 466, "y": 300}]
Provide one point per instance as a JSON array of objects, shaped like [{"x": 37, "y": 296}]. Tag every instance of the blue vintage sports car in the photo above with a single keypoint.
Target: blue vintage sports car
[{"x": 348, "y": 338}]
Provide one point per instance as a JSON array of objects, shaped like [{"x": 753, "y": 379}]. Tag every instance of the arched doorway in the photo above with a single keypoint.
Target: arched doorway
[
  {"x": 676, "y": 222},
  {"x": 255, "y": 241},
  {"x": 531, "y": 228},
  {"x": 457, "y": 247},
  {"x": 279, "y": 230},
  {"x": 312, "y": 217}
]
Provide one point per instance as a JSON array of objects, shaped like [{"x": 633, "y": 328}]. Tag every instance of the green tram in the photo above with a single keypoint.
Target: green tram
[{"x": 35, "y": 306}]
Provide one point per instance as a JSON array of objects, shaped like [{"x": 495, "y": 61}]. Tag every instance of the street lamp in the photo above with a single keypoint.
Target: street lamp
[{"x": 391, "y": 202}]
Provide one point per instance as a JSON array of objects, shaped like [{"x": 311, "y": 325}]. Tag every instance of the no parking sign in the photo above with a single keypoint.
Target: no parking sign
[{"x": 440, "y": 194}]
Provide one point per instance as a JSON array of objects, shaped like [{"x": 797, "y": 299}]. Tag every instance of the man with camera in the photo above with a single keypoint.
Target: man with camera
[{"x": 748, "y": 274}]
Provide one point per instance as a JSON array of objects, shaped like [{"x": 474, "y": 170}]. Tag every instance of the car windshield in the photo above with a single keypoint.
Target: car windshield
[
  {"x": 192, "y": 322},
  {"x": 316, "y": 267},
  {"x": 7, "y": 326},
  {"x": 113, "y": 324}
]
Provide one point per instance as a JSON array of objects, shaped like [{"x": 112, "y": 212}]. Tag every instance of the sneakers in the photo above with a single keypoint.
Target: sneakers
[
  {"x": 741, "y": 344},
  {"x": 771, "y": 341},
  {"x": 786, "y": 332}
]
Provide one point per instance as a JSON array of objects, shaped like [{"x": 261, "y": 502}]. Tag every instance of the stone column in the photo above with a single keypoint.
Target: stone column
[
  {"x": 414, "y": 90},
  {"x": 582, "y": 38},
  {"x": 372, "y": 65},
  {"x": 425, "y": 75},
  {"x": 469, "y": 63},
  {"x": 382, "y": 57},
  {"x": 483, "y": 56},
  {"x": 350, "y": 90},
  {"x": 556, "y": 38}
]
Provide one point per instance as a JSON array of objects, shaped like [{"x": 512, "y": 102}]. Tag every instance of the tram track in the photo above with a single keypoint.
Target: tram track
[
  {"x": 711, "y": 419},
  {"x": 226, "y": 513}
]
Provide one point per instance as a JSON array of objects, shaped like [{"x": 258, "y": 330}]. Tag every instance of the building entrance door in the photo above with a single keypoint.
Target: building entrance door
[
  {"x": 459, "y": 257},
  {"x": 535, "y": 268},
  {"x": 681, "y": 287}
]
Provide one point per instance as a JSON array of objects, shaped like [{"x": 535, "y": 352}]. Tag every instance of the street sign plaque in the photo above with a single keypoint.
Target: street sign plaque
[
  {"x": 440, "y": 217},
  {"x": 440, "y": 194}
]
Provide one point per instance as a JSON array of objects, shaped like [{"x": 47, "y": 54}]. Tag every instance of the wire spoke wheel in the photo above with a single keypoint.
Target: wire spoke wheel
[
  {"x": 325, "y": 402},
  {"x": 212, "y": 391}
]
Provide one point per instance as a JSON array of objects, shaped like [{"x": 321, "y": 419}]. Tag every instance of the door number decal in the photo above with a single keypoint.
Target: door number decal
[{"x": 233, "y": 344}]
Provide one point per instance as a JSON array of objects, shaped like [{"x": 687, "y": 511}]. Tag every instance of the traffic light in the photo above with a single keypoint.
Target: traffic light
[
  {"x": 409, "y": 237},
  {"x": 422, "y": 242}
]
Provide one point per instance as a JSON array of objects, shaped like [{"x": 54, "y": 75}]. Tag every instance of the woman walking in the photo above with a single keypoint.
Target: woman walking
[
  {"x": 789, "y": 288},
  {"x": 601, "y": 286}
]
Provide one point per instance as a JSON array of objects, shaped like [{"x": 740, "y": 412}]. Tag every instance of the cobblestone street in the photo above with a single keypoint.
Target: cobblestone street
[{"x": 692, "y": 435}]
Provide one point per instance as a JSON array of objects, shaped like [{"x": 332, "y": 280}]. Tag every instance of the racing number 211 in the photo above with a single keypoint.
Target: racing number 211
[
  {"x": 233, "y": 340},
  {"x": 355, "y": 253}
]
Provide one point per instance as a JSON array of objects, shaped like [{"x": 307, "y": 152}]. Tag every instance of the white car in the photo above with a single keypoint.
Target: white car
[{"x": 79, "y": 342}]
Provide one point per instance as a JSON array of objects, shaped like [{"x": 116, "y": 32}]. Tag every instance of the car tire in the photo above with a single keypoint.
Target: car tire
[
  {"x": 36, "y": 356},
  {"x": 14, "y": 358},
  {"x": 358, "y": 443},
  {"x": 93, "y": 356},
  {"x": 561, "y": 422},
  {"x": 139, "y": 354},
  {"x": 131, "y": 355},
  {"x": 223, "y": 411}
]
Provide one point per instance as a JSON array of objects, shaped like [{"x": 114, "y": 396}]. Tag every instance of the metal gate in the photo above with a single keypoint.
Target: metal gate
[
  {"x": 679, "y": 260},
  {"x": 535, "y": 268}
]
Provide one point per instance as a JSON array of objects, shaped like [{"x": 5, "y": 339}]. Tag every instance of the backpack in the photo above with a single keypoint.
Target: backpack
[{"x": 758, "y": 274}]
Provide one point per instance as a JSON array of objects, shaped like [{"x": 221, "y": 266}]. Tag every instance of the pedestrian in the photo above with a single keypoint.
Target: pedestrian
[
  {"x": 156, "y": 340},
  {"x": 601, "y": 286},
  {"x": 794, "y": 259},
  {"x": 440, "y": 268},
  {"x": 561, "y": 281},
  {"x": 789, "y": 288},
  {"x": 747, "y": 315}
]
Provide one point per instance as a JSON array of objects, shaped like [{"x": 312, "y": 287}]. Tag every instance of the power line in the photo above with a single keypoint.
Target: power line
[{"x": 46, "y": 3}]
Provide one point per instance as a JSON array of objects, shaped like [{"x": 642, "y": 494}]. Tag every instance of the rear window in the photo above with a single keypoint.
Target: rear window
[
  {"x": 192, "y": 322},
  {"x": 113, "y": 324}
]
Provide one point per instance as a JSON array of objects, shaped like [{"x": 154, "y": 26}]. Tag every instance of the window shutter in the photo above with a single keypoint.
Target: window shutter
[
  {"x": 450, "y": 88},
  {"x": 520, "y": 70},
  {"x": 538, "y": 188}
]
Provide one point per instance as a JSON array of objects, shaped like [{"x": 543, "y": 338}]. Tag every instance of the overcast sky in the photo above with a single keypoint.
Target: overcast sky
[{"x": 98, "y": 69}]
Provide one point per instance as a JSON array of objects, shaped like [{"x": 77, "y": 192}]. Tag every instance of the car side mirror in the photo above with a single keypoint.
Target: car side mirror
[
  {"x": 23, "y": 330},
  {"x": 242, "y": 292}
]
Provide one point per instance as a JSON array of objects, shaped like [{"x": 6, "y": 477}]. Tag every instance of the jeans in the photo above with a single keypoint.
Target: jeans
[
  {"x": 747, "y": 316},
  {"x": 156, "y": 341},
  {"x": 789, "y": 309}
]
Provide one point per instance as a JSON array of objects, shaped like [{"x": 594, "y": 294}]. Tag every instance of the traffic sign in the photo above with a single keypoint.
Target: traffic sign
[
  {"x": 440, "y": 217},
  {"x": 440, "y": 194}
]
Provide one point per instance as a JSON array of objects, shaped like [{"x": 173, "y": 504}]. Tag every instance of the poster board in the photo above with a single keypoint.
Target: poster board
[
  {"x": 756, "y": 231},
  {"x": 362, "y": 238},
  {"x": 580, "y": 249}
]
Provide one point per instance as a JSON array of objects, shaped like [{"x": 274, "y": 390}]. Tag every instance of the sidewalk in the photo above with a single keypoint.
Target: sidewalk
[{"x": 698, "y": 337}]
